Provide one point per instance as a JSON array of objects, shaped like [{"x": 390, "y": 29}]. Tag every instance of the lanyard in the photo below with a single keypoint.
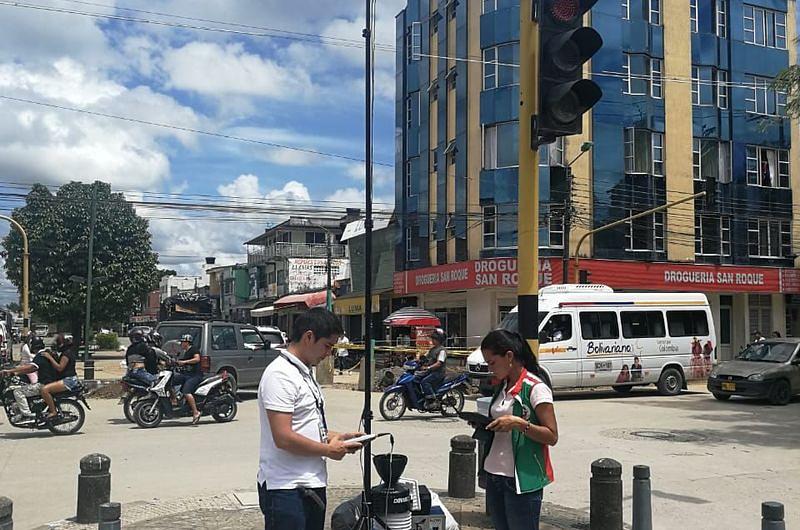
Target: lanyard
[{"x": 314, "y": 389}]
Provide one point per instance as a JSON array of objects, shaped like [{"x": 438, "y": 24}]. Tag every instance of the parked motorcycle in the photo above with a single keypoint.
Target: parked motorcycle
[
  {"x": 407, "y": 393},
  {"x": 214, "y": 396},
  {"x": 71, "y": 414}
]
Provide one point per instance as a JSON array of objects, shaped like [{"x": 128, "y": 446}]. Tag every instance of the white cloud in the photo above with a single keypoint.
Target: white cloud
[
  {"x": 382, "y": 175},
  {"x": 243, "y": 186},
  {"x": 292, "y": 192},
  {"x": 217, "y": 70},
  {"x": 356, "y": 198}
]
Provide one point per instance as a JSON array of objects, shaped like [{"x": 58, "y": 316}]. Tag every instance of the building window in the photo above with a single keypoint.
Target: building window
[
  {"x": 642, "y": 75},
  {"x": 655, "y": 12},
  {"x": 489, "y": 6},
  {"x": 711, "y": 159},
  {"x": 497, "y": 71},
  {"x": 769, "y": 238},
  {"x": 434, "y": 160},
  {"x": 416, "y": 40},
  {"x": 644, "y": 152},
  {"x": 285, "y": 237},
  {"x": 626, "y": 9},
  {"x": 645, "y": 233},
  {"x": 762, "y": 99},
  {"x": 409, "y": 178},
  {"x": 693, "y": 15},
  {"x": 315, "y": 238},
  {"x": 760, "y": 312},
  {"x": 501, "y": 145},
  {"x": 722, "y": 19},
  {"x": 489, "y": 226},
  {"x": 709, "y": 86},
  {"x": 712, "y": 235},
  {"x": 764, "y": 27},
  {"x": 767, "y": 167},
  {"x": 412, "y": 251},
  {"x": 555, "y": 231},
  {"x": 555, "y": 152}
]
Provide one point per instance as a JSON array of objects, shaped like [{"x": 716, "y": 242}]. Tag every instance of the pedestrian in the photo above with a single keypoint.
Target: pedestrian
[
  {"x": 342, "y": 353},
  {"x": 295, "y": 440},
  {"x": 517, "y": 459},
  {"x": 757, "y": 336}
]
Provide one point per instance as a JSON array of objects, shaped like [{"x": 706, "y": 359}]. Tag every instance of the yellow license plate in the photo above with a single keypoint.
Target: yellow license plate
[{"x": 729, "y": 387}]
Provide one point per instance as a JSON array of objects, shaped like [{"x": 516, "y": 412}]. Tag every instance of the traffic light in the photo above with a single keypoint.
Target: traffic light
[{"x": 564, "y": 46}]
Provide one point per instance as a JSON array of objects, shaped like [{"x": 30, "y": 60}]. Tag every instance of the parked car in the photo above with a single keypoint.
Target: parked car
[
  {"x": 767, "y": 369},
  {"x": 274, "y": 335},
  {"x": 238, "y": 349}
]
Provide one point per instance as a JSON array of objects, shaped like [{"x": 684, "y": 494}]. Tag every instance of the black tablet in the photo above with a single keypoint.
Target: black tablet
[{"x": 475, "y": 418}]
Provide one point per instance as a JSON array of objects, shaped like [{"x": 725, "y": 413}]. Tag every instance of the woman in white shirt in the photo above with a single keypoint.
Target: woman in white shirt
[{"x": 26, "y": 357}]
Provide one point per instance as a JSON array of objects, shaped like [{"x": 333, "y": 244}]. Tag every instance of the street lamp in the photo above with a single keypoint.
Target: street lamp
[{"x": 26, "y": 313}]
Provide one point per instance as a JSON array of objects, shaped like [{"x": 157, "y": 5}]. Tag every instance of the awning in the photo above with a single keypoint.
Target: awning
[
  {"x": 354, "y": 305},
  {"x": 308, "y": 299},
  {"x": 262, "y": 311},
  {"x": 412, "y": 316}
]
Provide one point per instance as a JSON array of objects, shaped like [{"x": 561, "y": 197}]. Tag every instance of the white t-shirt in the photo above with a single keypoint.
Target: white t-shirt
[
  {"x": 287, "y": 386},
  {"x": 343, "y": 352},
  {"x": 500, "y": 460},
  {"x": 25, "y": 356}
]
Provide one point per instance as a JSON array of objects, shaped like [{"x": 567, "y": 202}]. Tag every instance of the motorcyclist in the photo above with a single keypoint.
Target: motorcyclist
[
  {"x": 47, "y": 374},
  {"x": 433, "y": 375},
  {"x": 142, "y": 357},
  {"x": 190, "y": 375}
]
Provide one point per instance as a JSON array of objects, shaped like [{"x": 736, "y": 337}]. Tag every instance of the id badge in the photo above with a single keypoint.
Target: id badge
[{"x": 323, "y": 434}]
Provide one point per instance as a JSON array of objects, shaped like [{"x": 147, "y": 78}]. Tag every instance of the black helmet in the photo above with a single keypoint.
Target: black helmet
[
  {"x": 187, "y": 338},
  {"x": 155, "y": 338},
  {"x": 136, "y": 335},
  {"x": 439, "y": 335}
]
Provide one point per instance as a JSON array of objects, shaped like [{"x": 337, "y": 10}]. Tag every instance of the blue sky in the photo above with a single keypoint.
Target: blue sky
[{"x": 306, "y": 93}]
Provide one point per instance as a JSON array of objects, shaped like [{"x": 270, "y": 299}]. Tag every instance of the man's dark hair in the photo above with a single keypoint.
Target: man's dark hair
[{"x": 321, "y": 322}]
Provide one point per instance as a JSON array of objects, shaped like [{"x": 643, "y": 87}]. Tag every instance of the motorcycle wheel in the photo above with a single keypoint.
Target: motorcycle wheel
[
  {"x": 452, "y": 402},
  {"x": 393, "y": 405},
  {"x": 74, "y": 411},
  {"x": 225, "y": 413},
  {"x": 129, "y": 405},
  {"x": 145, "y": 417}
]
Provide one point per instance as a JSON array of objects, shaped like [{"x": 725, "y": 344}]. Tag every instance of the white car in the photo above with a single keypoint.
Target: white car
[{"x": 274, "y": 335}]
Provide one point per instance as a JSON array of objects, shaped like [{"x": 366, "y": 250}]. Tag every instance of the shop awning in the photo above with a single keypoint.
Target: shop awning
[
  {"x": 262, "y": 311},
  {"x": 412, "y": 316},
  {"x": 310, "y": 300}
]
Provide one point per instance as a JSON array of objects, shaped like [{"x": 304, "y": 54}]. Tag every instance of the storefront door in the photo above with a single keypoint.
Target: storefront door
[{"x": 725, "y": 350}]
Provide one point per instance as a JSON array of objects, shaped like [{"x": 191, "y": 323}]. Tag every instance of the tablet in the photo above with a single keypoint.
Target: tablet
[
  {"x": 361, "y": 439},
  {"x": 474, "y": 417}
]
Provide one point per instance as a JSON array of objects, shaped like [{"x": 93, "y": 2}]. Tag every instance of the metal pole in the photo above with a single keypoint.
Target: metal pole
[
  {"x": 625, "y": 220},
  {"x": 367, "y": 412},
  {"x": 567, "y": 222},
  {"x": 642, "y": 506},
  {"x": 528, "y": 218},
  {"x": 328, "y": 297},
  {"x": 26, "y": 313},
  {"x": 89, "y": 275}
]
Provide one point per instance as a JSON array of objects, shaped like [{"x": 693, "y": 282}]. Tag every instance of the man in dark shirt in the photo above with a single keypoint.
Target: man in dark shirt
[
  {"x": 190, "y": 375},
  {"x": 47, "y": 374},
  {"x": 433, "y": 376},
  {"x": 66, "y": 378}
]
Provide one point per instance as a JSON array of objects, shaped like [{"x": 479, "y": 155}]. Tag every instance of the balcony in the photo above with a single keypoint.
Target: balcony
[{"x": 259, "y": 254}]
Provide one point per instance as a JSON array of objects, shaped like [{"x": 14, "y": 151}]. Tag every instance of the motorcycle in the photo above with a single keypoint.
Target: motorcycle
[
  {"x": 134, "y": 390},
  {"x": 407, "y": 393},
  {"x": 214, "y": 396},
  {"x": 71, "y": 414}
]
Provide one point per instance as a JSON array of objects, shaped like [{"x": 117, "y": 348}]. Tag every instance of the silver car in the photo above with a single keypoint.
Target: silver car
[{"x": 767, "y": 369}]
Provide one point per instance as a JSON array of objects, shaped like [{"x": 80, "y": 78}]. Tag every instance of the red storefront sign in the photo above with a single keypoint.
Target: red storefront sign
[{"x": 635, "y": 275}]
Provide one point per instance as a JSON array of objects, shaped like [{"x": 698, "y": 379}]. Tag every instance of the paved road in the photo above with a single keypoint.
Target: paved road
[{"x": 712, "y": 463}]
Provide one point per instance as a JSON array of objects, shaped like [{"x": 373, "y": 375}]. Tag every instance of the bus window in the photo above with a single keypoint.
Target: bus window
[
  {"x": 558, "y": 328},
  {"x": 641, "y": 324},
  {"x": 687, "y": 323},
  {"x": 599, "y": 325}
]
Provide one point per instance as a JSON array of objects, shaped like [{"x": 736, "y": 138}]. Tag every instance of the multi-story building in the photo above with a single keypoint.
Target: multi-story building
[
  {"x": 687, "y": 106},
  {"x": 172, "y": 285}
]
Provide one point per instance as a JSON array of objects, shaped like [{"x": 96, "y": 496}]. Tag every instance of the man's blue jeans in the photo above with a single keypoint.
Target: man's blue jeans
[
  {"x": 430, "y": 383},
  {"x": 508, "y": 509},
  {"x": 295, "y": 509},
  {"x": 144, "y": 376}
]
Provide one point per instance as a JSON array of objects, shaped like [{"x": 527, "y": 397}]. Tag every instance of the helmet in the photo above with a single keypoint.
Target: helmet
[
  {"x": 439, "y": 335},
  {"x": 155, "y": 338},
  {"x": 187, "y": 338},
  {"x": 136, "y": 335}
]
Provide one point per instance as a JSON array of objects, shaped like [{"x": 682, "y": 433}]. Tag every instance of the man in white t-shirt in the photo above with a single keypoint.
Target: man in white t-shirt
[{"x": 295, "y": 440}]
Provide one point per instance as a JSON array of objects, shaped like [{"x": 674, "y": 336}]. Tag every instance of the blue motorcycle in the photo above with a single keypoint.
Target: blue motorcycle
[{"x": 407, "y": 393}]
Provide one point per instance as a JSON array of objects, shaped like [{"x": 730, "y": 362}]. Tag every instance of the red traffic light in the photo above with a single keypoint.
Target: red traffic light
[{"x": 566, "y": 11}]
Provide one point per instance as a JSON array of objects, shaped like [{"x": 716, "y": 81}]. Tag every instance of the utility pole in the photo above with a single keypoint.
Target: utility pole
[
  {"x": 566, "y": 224},
  {"x": 88, "y": 365},
  {"x": 328, "y": 294},
  {"x": 26, "y": 313}
]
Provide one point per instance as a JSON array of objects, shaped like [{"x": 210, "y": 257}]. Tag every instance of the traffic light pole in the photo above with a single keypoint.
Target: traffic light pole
[{"x": 528, "y": 217}]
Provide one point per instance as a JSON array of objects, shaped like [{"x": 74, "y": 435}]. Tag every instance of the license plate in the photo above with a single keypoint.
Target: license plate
[{"x": 729, "y": 387}]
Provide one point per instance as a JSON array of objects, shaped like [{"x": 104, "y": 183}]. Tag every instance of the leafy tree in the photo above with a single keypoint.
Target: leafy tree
[
  {"x": 58, "y": 232},
  {"x": 789, "y": 81},
  {"x": 14, "y": 307}
]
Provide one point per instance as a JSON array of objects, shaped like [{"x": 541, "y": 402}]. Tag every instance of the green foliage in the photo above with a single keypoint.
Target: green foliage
[
  {"x": 107, "y": 341},
  {"x": 789, "y": 81},
  {"x": 58, "y": 232}
]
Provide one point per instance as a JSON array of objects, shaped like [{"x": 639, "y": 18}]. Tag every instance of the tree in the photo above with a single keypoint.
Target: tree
[
  {"x": 58, "y": 233},
  {"x": 788, "y": 81},
  {"x": 14, "y": 307}
]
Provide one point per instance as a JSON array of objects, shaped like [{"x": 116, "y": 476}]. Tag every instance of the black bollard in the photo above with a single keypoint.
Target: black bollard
[
  {"x": 6, "y": 509},
  {"x": 772, "y": 516},
  {"x": 88, "y": 370},
  {"x": 109, "y": 516},
  {"x": 94, "y": 486},
  {"x": 461, "y": 476},
  {"x": 642, "y": 507},
  {"x": 605, "y": 495}
]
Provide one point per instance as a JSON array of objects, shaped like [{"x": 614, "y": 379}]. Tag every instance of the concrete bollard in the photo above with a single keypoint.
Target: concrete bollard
[
  {"x": 88, "y": 369},
  {"x": 605, "y": 495},
  {"x": 6, "y": 509},
  {"x": 109, "y": 516},
  {"x": 772, "y": 516},
  {"x": 461, "y": 476},
  {"x": 94, "y": 487},
  {"x": 642, "y": 507}
]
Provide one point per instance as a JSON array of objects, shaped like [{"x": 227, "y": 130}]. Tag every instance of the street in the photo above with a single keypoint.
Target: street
[{"x": 706, "y": 458}]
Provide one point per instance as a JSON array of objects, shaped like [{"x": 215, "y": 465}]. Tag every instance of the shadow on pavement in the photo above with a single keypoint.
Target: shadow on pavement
[{"x": 32, "y": 434}]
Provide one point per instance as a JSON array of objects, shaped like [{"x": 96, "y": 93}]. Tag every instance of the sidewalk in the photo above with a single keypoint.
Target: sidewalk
[{"x": 239, "y": 510}]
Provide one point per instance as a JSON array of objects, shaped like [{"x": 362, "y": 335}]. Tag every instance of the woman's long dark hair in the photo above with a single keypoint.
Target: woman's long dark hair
[{"x": 500, "y": 341}]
